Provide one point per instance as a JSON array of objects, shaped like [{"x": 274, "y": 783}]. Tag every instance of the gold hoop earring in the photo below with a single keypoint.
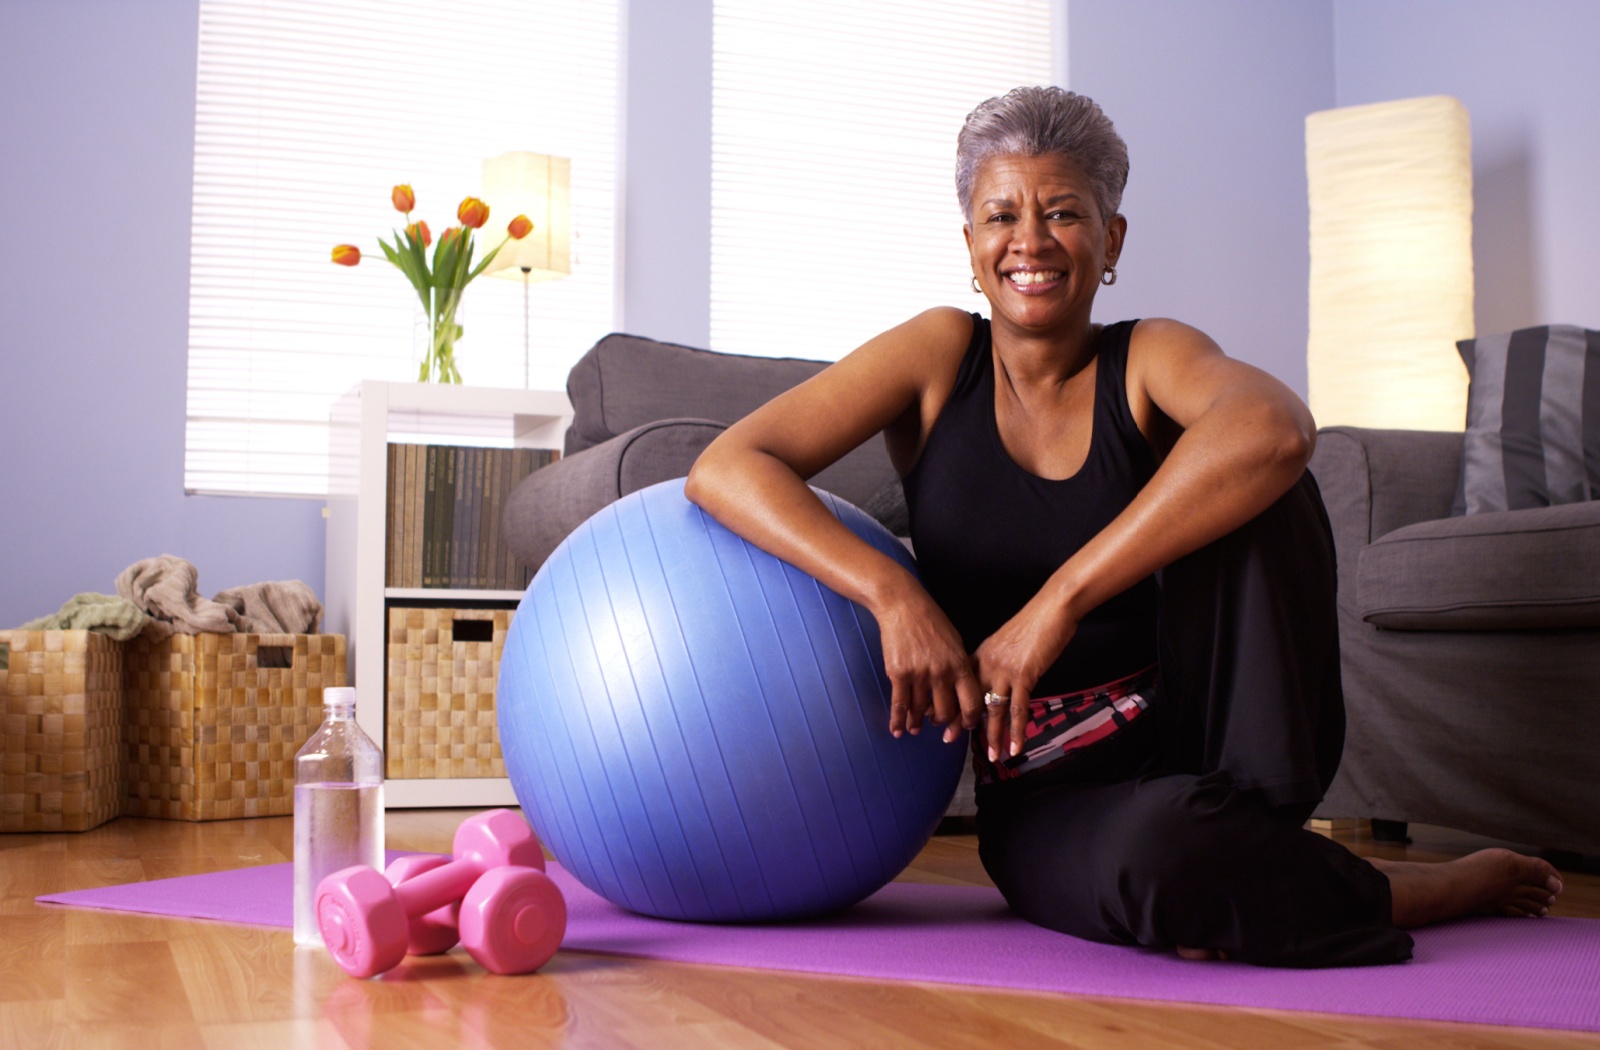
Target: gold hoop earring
[
  {"x": 1109, "y": 277},
  {"x": 975, "y": 287}
]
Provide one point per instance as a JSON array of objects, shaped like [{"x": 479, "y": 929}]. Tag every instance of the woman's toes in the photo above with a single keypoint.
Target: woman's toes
[{"x": 1196, "y": 954}]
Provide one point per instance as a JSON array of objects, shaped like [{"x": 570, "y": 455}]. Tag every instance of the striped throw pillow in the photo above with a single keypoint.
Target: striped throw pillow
[{"x": 1533, "y": 419}]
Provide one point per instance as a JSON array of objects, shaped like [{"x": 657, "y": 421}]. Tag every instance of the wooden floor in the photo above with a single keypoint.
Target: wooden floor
[{"x": 73, "y": 977}]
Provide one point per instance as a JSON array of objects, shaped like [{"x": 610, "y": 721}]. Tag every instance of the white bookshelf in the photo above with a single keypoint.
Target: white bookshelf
[{"x": 363, "y": 423}]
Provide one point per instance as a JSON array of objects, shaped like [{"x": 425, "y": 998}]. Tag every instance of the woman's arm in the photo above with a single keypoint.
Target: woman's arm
[
  {"x": 1245, "y": 440},
  {"x": 752, "y": 479}
]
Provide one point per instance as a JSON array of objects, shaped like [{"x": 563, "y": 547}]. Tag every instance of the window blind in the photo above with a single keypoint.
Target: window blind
[
  {"x": 307, "y": 112},
  {"x": 833, "y": 133}
]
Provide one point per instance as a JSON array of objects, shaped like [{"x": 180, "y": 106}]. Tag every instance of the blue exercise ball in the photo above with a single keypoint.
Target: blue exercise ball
[{"x": 700, "y": 731}]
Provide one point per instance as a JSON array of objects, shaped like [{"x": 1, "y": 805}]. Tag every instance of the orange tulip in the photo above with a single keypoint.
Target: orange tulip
[
  {"x": 404, "y": 199},
  {"x": 445, "y": 237},
  {"x": 520, "y": 227},
  {"x": 419, "y": 231},
  {"x": 473, "y": 213},
  {"x": 346, "y": 254}
]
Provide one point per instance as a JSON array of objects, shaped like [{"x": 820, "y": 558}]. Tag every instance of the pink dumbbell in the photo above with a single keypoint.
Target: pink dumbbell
[
  {"x": 510, "y": 923},
  {"x": 437, "y": 931}
]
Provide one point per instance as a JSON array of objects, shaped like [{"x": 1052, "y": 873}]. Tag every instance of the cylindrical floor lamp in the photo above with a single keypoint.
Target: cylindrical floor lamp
[{"x": 1391, "y": 263}]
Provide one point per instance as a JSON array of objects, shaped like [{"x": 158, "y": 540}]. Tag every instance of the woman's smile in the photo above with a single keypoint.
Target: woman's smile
[{"x": 1034, "y": 281}]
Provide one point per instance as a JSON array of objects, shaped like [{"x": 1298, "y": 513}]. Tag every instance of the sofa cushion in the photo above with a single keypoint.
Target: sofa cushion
[
  {"x": 1511, "y": 570},
  {"x": 1533, "y": 420},
  {"x": 626, "y": 381}
]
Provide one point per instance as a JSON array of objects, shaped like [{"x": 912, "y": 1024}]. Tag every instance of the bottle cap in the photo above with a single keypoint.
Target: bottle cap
[{"x": 339, "y": 696}]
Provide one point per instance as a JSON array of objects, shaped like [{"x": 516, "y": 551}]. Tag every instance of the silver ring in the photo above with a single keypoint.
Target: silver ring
[{"x": 995, "y": 700}]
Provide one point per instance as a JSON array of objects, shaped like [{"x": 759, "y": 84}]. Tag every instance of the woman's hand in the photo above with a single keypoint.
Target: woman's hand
[
  {"x": 928, "y": 666},
  {"x": 1010, "y": 663}
]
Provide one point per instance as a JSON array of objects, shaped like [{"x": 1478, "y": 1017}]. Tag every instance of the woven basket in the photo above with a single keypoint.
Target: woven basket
[
  {"x": 60, "y": 731},
  {"x": 210, "y": 734},
  {"x": 441, "y": 716}
]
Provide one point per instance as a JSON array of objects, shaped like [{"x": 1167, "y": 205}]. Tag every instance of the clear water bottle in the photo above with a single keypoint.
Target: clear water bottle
[{"x": 338, "y": 805}]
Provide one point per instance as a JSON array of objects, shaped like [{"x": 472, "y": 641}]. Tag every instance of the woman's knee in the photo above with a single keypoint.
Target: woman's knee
[
  {"x": 1181, "y": 860},
  {"x": 1168, "y": 832}
]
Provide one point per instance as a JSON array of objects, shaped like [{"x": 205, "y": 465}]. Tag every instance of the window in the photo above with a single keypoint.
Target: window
[
  {"x": 307, "y": 112},
  {"x": 833, "y": 207}
]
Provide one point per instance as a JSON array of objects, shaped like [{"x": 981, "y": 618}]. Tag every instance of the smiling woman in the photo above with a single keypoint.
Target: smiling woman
[{"x": 1146, "y": 753}]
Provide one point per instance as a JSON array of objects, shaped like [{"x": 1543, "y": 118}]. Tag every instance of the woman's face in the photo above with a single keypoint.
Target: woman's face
[{"x": 1038, "y": 241}]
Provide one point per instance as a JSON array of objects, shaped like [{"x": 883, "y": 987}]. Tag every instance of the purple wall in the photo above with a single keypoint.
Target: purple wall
[
  {"x": 1527, "y": 72},
  {"x": 96, "y": 162},
  {"x": 1211, "y": 98}
]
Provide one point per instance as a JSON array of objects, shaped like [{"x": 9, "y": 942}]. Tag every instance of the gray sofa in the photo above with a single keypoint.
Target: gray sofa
[
  {"x": 642, "y": 411},
  {"x": 1470, "y": 648}
]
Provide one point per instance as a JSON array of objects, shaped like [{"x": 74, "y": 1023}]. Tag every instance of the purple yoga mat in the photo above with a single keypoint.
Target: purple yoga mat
[{"x": 1542, "y": 973}]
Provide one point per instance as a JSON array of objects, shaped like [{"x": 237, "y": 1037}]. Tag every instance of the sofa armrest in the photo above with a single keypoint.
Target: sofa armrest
[
  {"x": 1381, "y": 480},
  {"x": 550, "y": 503},
  {"x": 1376, "y": 481}
]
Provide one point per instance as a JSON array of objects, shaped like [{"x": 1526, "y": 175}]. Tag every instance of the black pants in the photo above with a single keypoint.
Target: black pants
[{"x": 1185, "y": 828}]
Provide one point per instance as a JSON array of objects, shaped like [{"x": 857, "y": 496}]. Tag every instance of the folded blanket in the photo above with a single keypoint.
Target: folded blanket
[
  {"x": 283, "y": 607},
  {"x": 104, "y": 614},
  {"x": 167, "y": 588},
  {"x": 159, "y": 597}
]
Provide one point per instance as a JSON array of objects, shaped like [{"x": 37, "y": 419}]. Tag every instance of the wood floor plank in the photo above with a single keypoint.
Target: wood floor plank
[
  {"x": 447, "y": 1001},
  {"x": 122, "y": 1036},
  {"x": 100, "y": 926},
  {"x": 245, "y": 973},
  {"x": 32, "y": 957},
  {"x": 137, "y": 983},
  {"x": 301, "y": 1034},
  {"x": 25, "y": 874},
  {"x": 1114, "y": 1023},
  {"x": 39, "y": 1024}
]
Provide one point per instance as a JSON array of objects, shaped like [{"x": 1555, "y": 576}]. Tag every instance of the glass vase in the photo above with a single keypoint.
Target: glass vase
[{"x": 443, "y": 331}]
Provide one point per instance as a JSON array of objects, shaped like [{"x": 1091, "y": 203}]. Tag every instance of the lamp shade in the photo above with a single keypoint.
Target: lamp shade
[
  {"x": 1391, "y": 263},
  {"x": 540, "y": 187}
]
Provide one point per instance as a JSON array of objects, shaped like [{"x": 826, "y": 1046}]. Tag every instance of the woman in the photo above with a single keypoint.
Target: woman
[{"x": 1129, "y": 583}]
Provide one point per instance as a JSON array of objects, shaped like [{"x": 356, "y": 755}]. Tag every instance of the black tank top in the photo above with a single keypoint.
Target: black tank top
[{"x": 988, "y": 533}]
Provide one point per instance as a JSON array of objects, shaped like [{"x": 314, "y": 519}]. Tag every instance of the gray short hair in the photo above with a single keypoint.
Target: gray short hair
[{"x": 1034, "y": 122}]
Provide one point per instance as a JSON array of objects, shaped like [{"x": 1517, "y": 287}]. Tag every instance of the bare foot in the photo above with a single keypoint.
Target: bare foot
[
  {"x": 1201, "y": 954},
  {"x": 1488, "y": 882}
]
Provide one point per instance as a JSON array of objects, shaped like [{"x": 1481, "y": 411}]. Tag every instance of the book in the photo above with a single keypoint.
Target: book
[
  {"x": 495, "y": 474},
  {"x": 430, "y": 567},
  {"x": 445, "y": 514},
  {"x": 392, "y": 517},
  {"x": 480, "y": 512},
  {"x": 416, "y": 465},
  {"x": 460, "y": 517}
]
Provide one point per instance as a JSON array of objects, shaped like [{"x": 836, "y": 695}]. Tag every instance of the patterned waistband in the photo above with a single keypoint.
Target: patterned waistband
[{"x": 1058, "y": 726}]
